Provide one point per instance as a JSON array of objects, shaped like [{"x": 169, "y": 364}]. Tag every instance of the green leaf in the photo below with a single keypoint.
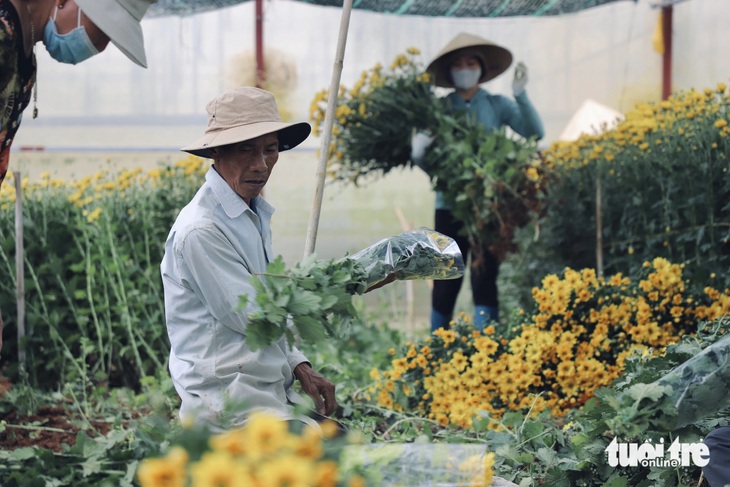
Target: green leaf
[
  {"x": 310, "y": 328},
  {"x": 276, "y": 266},
  {"x": 19, "y": 454},
  {"x": 652, "y": 392},
  {"x": 304, "y": 302},
  {"x": 328, "y": 301}
]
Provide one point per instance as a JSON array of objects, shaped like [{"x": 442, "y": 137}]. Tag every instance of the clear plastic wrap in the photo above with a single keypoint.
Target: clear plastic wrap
[
  {"x": 419, "y": 464},
  {"x": 420, "y": 253},
  {"x": 309, "y": 300},
  {"x": 699, "y": 387}
]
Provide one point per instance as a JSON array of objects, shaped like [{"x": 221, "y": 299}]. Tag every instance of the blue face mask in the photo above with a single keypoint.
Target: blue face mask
[
  {"x": 71, "y": 48},
  {"x": 466, "y": 79}
]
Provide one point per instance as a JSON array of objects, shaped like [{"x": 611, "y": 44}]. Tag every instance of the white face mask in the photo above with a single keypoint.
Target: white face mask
[{"x": 466, "y": 79}]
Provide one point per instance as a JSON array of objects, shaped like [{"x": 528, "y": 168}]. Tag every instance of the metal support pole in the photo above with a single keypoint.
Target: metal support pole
[{"x": 667, "y": 56}]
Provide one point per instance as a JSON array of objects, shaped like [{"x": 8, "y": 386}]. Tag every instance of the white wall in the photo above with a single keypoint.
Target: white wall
[{"x": 604, "y": 53}]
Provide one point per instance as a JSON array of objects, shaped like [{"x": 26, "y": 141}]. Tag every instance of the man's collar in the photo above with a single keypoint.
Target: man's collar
[{"x": 232, "y": 203}]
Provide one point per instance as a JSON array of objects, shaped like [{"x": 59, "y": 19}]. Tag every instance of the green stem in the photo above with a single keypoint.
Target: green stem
[
  {"x": 121, "y": 293},
  {"x": 90, "y": 297},
  {"x": 3, "y": 424}
]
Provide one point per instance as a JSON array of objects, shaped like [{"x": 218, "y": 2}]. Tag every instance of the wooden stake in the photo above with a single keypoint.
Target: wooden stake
[
  {"x": 599, "y": 231},
  {"x": 19, "y": 266}
]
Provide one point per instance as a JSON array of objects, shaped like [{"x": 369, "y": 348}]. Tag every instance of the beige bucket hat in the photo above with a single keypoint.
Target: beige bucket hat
[
  {"x": 245, "y": 113},
  {"x": 120, "y": 20},
  {"x": 495, "y": 59}
]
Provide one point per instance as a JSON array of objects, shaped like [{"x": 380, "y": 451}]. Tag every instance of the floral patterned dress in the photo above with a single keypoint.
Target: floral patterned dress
[{"x": 17, "y": 77}]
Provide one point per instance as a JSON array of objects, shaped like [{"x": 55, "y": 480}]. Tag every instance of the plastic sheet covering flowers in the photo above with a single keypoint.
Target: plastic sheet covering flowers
[
  {"x": 421, "y": 464},
  {"x": 698, "y": 388},
  {"x": 683, "y": 389},
  {"x": 312, "y": 298}
]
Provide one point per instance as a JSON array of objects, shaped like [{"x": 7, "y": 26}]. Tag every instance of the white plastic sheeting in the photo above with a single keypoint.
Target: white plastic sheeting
[{"x": 592, "y": 118}]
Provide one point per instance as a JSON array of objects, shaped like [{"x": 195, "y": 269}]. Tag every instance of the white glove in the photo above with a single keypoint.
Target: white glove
[
  {"x": 520, "y": 80},
  {"x": 420, "y": 141}
]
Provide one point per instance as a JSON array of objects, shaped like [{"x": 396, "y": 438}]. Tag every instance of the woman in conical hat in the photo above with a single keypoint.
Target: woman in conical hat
[{"x": 463, "y": 64}]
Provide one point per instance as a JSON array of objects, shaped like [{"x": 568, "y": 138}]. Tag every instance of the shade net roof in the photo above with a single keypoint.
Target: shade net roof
[{"x": 431, "y": 8}]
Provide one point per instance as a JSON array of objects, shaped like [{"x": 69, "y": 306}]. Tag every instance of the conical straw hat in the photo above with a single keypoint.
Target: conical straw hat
[{"x": 495, "y": 59}]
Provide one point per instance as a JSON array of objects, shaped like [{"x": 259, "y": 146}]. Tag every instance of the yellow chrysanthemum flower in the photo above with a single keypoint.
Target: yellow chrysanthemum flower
[{"x": 168, "y": 471}]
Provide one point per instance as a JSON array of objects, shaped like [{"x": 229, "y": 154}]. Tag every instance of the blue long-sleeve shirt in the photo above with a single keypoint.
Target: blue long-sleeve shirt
[{"x": 495, "y": 111}]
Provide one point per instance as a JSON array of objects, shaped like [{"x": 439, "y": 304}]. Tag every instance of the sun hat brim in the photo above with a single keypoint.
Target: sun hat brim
[
  {"x": 119, "y": 25},
  {"x": 495, "y": 59},
  {"x": 290, "y": 136}
]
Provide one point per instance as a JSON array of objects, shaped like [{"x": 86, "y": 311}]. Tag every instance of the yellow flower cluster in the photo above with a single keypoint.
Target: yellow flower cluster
[
  {"x": 583, "y": 329},
  {"x": 89, "y": 192},
  {"x": 263, "y": 453},
  {"x": 683, "y": 116},
  {"x": 480, "y": 468},
  {"x": 356, "y": 106}
]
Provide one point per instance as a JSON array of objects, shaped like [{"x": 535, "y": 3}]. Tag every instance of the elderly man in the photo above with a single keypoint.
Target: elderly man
[{"x": 219, "y": 242}]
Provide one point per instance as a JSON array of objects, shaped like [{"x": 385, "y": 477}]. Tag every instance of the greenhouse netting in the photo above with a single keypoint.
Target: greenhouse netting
[{"x": 431, "y": 8}]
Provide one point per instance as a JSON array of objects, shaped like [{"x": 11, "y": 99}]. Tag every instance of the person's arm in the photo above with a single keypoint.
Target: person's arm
[
  {"x": 520, "y": 115},
  {"x": 217, "y": 274}
]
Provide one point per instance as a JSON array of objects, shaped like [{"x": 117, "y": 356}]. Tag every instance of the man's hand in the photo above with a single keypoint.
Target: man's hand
[
  {"x": 317, "y": 387},
  {"x": 520, "y": 80}
]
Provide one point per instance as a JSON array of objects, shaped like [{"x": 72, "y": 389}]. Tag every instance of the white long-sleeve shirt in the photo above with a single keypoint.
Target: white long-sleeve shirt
[{"x": 216, "y": 246}]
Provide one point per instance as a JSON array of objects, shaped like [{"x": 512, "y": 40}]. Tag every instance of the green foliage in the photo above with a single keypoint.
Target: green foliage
[
  {"x": 312, "y": 297},
  {"x": 685, "y": 386},
  {"x": 664, "y": 189},
  {"x": 492, "y": 183},
  {"x": 140, "y": 426},
  {"x": 92, "y": 285}
]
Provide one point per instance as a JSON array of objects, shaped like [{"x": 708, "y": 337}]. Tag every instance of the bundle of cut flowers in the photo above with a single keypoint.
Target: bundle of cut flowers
[
  {"x": 373, "y": 121},
  {"x": 310, "y": 299},
  {"x": 494, "y": 182}
]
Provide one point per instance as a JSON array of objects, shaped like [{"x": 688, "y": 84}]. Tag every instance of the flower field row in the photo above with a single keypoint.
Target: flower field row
[
  {"x": 577, "y": 340},
  {"x": 545, "y": 389}
]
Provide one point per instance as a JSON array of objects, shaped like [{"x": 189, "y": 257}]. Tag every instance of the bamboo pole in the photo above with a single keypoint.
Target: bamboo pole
[
  {"x": 327, "y": 133},
  {"x": 19, "y": 266},
  {"x": 260, "y": 64},
  {"x": 599, "y": 231}
]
